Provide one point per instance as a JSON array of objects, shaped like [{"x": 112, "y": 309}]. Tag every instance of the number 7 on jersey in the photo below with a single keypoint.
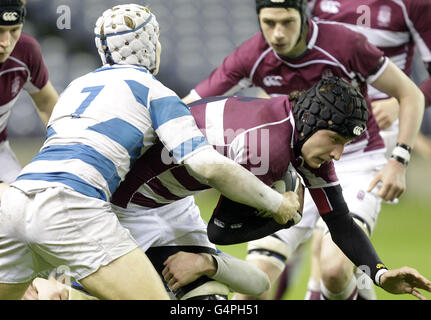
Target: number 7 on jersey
[{"x": 94, "y": 91}]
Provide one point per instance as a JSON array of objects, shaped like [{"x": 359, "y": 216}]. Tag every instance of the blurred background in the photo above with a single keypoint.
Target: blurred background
[{"x": 196, "y": 35}]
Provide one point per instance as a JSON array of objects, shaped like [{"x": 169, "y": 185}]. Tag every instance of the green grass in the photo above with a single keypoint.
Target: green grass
[{"x": 402, "y": 237}]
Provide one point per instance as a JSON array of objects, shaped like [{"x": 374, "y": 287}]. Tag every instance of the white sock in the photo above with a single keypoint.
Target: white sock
[
  {"x": 313, "y": 290},
  {"x": 365, "y": 288}
]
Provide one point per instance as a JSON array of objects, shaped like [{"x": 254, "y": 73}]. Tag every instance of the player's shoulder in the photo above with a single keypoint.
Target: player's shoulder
[
  {"x": 347, "y": 39},
  {"x": 27, "y": 49},
  {"x": 28, "y": 41}
]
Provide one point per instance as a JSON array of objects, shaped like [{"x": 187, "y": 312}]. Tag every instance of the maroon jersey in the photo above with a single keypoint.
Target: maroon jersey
[
  {"x": 24, "y": 69},
  {"x": 257, "y": 133},
  {"x": 352, "y": 57},
  {"x": 394, "y": 26}
]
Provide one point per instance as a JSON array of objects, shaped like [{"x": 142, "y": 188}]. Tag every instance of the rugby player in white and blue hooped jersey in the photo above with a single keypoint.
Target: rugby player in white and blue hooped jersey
[{"x": 58, "y": 210}]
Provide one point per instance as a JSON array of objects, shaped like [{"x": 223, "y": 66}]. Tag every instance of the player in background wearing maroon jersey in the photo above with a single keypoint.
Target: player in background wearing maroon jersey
[
  {"x": 291, "y": 53},
  {"x": 396, "y": 28},
  {"x": 21, "y": 67}
]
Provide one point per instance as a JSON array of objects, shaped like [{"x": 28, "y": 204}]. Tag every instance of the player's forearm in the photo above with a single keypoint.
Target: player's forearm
[
  {"x": 347, "y": 234},
  {"x": 354, "y": 243},
  {"x": 233, "y": 181},
  {"x": 411, "y": 114},
  {"x": 240, "y": 276}
]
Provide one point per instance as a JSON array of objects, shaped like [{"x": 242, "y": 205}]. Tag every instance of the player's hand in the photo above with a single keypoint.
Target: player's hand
[
  {"x": 183, "y": 268},
  {"x": 393, "y": 180},
  {"x": 386, "y": 112},
  {"x": 43, "y": 289},
  {"x": 405, "y": 280},
  {"x": 289, "y": 207}
]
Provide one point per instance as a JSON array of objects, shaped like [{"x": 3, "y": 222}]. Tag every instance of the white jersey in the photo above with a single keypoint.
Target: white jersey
[{"x": 101, "y": 124}]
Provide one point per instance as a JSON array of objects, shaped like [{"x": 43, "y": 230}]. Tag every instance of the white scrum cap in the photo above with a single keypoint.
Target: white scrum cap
[{"x": 127, "y": 34}]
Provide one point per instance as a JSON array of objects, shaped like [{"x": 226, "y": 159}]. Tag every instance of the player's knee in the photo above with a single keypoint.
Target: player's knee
[
  {"x": 335, "y": 272},
  {"x": 271, "y": 251}
]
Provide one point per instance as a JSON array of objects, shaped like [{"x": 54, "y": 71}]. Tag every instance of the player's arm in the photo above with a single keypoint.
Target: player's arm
[
  {"x": 356, "y": 245},
  {"x": 411, "y": 101},
  {"x": 52, "y": 289},
  {"x": 183, "y": 268},
  {"x": 45, "y": 100},
  {"x": 240, "y": 185},
  {"x": 395, "y": 83}
]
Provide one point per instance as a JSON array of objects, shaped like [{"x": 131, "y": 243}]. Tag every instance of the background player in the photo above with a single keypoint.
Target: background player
[
  {"x": 396, "y": 28},
  {"x": 21, "y": 68}
]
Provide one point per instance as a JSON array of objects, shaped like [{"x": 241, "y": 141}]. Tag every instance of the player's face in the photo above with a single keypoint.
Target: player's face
[
  {"x": 9, "y": 36},
  {"x": 281, "y": 29},
  {"x": 158, "y": 55},
  {"x": 323, "y": 146}
]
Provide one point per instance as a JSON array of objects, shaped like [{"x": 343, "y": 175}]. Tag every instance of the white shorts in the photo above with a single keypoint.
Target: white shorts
[
  {"x": 10, "y": 167},
  {"x": 57, "y": 227},
  {"x": 175, "y": 224},
  {"x": 355, "y": 174}
]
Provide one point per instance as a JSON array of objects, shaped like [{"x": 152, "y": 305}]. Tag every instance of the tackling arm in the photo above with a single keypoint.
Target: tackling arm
[{"x": 45, "y": 101}]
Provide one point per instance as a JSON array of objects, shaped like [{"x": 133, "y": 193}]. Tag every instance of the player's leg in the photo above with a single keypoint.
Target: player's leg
[
  {"x": 337, "y": 271},
  {"x": 313, "y": 285},
  {"x": 16, "y": 261},
  {"x": 270, "y": 254},
  {"x": 290, "y": 272},
  {"x": 83, "y": 234},
  {"x": 337, "y": 279},
  {"x": 164, "y": 231},
  {"x": 131, "y": 276}
]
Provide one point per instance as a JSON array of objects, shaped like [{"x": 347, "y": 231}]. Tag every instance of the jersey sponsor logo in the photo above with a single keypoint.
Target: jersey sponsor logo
[
  {"x": 330, "y": 6},
  {"x": 273, "y": 81},
  {"x": 277, "y": 1},
  {"x": 384, "y": 17},
  {"x": 10, "y": 16}
]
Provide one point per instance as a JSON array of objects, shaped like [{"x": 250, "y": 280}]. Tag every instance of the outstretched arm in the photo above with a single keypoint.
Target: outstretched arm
[{"x": 355, "y": 244}]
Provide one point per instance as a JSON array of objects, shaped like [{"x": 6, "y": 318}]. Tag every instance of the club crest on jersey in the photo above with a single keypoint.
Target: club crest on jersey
[
  {"x": 273, "y": 81},
  {"x": 15, "y": 86},
  {"x": 10, "y": 16},
  {"x": 357, "y": 131},
  {"x": 330, "y": 6},
  {"x": 384, "y": 16}
]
